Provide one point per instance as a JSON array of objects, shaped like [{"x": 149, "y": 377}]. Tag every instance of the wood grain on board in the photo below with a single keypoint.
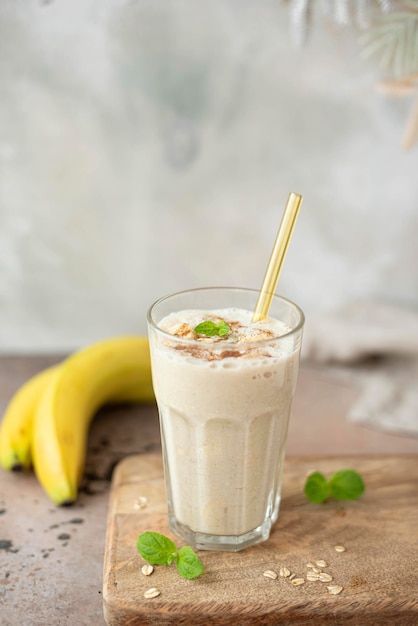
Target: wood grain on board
[{"x": 378, "y": 571}]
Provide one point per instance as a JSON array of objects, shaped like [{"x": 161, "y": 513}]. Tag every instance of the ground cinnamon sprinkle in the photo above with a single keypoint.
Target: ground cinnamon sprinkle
[
  {"x": 207, "y": 355},
  {"x": 185, "y": 331},
  {"x": 234, "y": 338}
]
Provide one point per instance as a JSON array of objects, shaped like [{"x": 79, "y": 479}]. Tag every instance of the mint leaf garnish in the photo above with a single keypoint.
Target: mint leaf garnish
[
  {"x": 158, "y": 549},
  {"x": 188, "y": 563},
  {"x": 210, "y": 328},
  {"x": 316, "y": 488},
  {"x": 223, "y": 329},
  {"x": 345, "y": 484}
]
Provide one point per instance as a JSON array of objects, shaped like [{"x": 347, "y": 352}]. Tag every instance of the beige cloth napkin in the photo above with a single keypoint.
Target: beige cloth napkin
[{"x": 375, "y": 346}]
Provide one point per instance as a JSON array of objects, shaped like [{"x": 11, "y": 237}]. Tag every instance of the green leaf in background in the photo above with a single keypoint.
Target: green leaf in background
[
  {"x": 156, "y": 549},
  {"x": 346, "y": 484},
  {"x": 188, "y": 563},
  {"x": 316, "y": 488},
  {"x": 392, "y": 39}
]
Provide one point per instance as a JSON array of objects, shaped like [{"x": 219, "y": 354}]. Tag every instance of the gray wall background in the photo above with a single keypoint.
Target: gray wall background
[{"x": 149, "y": 146}]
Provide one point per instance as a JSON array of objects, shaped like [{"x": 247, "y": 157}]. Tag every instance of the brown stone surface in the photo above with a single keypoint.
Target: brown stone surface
[{"x": 51, "y": 558}]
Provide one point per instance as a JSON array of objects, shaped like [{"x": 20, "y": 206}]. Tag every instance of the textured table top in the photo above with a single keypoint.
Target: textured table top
[{"x": 51, "y": 558}]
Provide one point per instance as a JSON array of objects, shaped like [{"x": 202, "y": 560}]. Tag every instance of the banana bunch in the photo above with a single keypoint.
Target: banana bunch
[{"x": 47, "y": 421}]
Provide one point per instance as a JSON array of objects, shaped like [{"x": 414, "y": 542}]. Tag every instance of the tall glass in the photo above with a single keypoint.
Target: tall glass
[{"x": 224, "y": 411}]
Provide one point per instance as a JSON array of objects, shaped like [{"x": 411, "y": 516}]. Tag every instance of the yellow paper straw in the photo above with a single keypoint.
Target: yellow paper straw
[{"x": 277, "y": 257}]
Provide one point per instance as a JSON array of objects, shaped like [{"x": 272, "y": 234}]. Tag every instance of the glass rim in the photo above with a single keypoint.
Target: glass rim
[{"x": 298, "y": 327}]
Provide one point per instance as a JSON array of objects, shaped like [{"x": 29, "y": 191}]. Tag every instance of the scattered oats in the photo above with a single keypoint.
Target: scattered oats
[
  {"x": 334, "y": 590},
  {"x": 339, "y": 549},
  {"x": 153, "y": 592},
  {"x": 325, "y": 578},
  {"x": 298, "y": 581},
  {"x": 270, "y": 574},
  {"x": 312, "y": 576},
  {"x": 147, "y": 569},
  {"x": 316, "y": 570},
  {"x": 292, "y": 576},
  {"x": 310, "y": 565},
  {"x": 140, "y": 503},
  {"x": 284, "y": 572},
  {"x": 321, "y": 563}
]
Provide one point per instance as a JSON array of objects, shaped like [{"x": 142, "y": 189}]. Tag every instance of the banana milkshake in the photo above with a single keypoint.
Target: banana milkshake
[{"x": 224, "y": 387}]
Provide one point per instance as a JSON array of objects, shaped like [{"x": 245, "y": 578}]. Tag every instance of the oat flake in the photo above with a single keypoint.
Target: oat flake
[
  {"x": 153, "y": 592},
  {"x": 325, "y": 578},
  {"x": 141, "y": 502},
  {"x": 339, "y": 549}
]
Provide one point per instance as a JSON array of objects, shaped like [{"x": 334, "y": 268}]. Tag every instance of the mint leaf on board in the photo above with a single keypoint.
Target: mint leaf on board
[
  {"x": 316, "y": 488},
  {"x": 156, "y": 549},
  {"x": 188, "y": 563},
  {"x": 346, "y": 484},
  {"x": 211, "y": 329}
]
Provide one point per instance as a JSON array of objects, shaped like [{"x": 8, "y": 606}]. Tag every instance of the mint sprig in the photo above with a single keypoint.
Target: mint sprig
[
  {"x": 316, "y": 488},
  {"x": 158, "y": 549},
  {"x": 346, "y": 484},
  {"x": 210, "y": 328},
  {"x": 188, "y": 563}
]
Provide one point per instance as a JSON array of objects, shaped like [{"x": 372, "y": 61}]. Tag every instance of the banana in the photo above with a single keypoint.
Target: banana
[
  {"x": 16, "y": 426},
  {"x": 116, "y": 369}
]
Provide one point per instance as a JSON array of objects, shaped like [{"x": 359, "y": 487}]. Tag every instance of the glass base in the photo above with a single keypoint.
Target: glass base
[{"x": 226, "y": 543}]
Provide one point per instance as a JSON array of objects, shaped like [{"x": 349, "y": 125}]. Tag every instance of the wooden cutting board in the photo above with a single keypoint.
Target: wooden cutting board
[{"x": 378, "y": 571}]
